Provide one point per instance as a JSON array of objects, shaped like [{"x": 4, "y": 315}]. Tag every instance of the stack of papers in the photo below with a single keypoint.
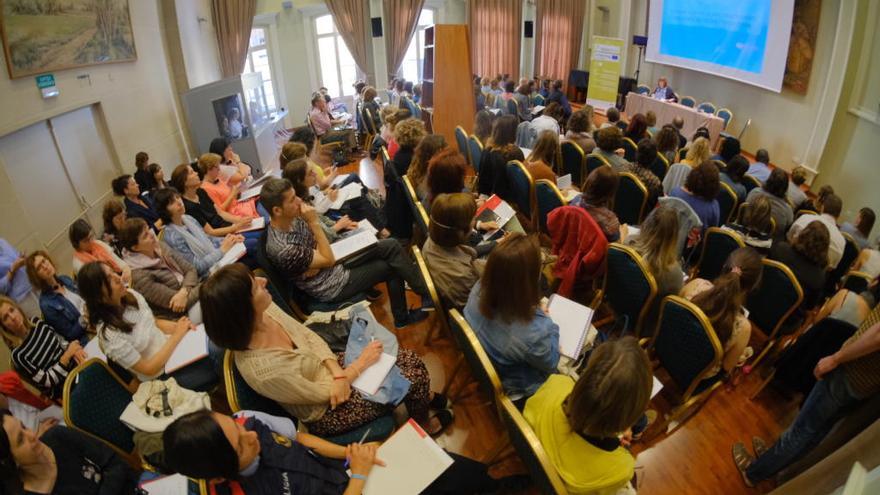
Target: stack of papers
[
  {"x": 352, "y": 244},
  {"x": 369, "y": 381},
  {"x": 574, "y": 320},
  {"x": 191, "y": 348},
  {"x": 252, "y": 188},
  {"x": 175, "y": 484},
  {"x": 234, "y": 254},
  {"x": 256, "y": 224},
  {"x": 413, "y": 460},
  {"x": 495, "y": 210}
]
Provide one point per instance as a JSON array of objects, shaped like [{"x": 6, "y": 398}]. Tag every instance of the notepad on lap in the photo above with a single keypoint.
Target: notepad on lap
[
  {"x": 352, "y": 244},
  {"x": 175, "y": 484},
  {"x": 369, "y": 381},
  {"x": 413, "y": 460},
  {"x": 563, "y": 182},
  {"x": 256, "y": 224},
  {"x": 234, "y": 254},
  {"x": 192, "y": 347},
  {"x": 574, "y": 324},
  {"x": 351, "y": 191}
]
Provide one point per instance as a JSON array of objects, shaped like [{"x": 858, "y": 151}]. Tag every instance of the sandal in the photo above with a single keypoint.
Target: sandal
[
  {"x": 742, "y": 459},
  {"x": 445, "y": 417},
  {"x": 759, "y": 446},
  {"x": 440, "y": 401}
]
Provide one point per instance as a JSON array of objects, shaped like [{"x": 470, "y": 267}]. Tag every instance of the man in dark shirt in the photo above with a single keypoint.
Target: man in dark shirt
[
  {"x": 678, "y": 123},
  {"x": 558, "y": 96}
]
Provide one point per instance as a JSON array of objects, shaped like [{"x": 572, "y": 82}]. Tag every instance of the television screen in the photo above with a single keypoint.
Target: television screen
[{"x": 229, "y": 113}]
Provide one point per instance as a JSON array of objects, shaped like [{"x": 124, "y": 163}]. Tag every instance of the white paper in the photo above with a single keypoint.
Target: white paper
[
  {"x": 563, "y": 182},
  {"x": 526, "y": 151},
  {"x": 413, "y": 460},
  {"x": 234, "y": 254},
  {"x": 192, "y": 347},
  {"x": 93, "y": 350},
  {"x": 656, "y": 387},
  {"x": 537, "y": 109},
  {"x": 250, "y": 193},
  {"x": 363, "y": 226},
  {"x": 352, "y": 244},
  {"x": 574, "y": 322},
  {"x": 632, "y": 230},
  {"x": 339, "y": 179},
  {"x": 175, "y": 484},
  {"x": 494, "y": 111},
  {"x": 350, "y": 191},
  {"x": 256, "y": 224},
  {"x": 569, "y": 194},
  {"x": 369, "y": 381}
]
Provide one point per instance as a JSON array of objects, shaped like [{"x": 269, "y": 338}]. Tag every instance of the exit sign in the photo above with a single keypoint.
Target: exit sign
[{"x": 45, "y": 81}]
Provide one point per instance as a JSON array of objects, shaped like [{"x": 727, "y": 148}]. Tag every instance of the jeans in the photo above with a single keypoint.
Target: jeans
[
  {"x": 828, "y": 399},
  {"x": 387, "y": 263}
]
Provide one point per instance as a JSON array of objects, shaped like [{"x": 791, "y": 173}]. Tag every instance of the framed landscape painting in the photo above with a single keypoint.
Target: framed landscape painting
[{"x": 48, "y": 35}]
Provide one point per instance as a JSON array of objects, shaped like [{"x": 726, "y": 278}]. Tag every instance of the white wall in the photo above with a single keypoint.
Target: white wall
[{"x": 198, "y": 42}]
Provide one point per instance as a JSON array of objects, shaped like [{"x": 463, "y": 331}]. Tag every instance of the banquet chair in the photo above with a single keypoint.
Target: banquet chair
[
  {"x": 573, "y": 162},
  {"x": 726, "y": 115},
  {"x": 628, "y": 287},
  {"x": 630, "y": 148},
  {"x": 772, "y": 302},
  {"x": 475, "y": 148},
  {"x": 643, "y": 90},
  {"x": 548, "y": 197},
  {"x": 660, "y": 166},
  {"x": 631, "y": 199},
  {"x": 541, "y": 469},
  {"x": 718, "y": 243},
  {"x": 688, "y": 101},
  {"x": 461, "y": 140},
  {"x": 750, "y": 182},
  {"x": 727, "y": 202},
  {"x": 706, "y": 107}
]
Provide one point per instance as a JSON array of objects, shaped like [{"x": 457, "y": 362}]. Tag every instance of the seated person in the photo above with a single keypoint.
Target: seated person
[
  {"x": 142, "y": 173},
  {"x": 646, "y": 155},
  {"x": 131, "y": 336},
  {"x": 795, "y": 194},
  {"x": 224, "y": 196},
  {"x": 755, "y": 225},
  {"x": 548, "y": 120},
  {"x": 657, "y": 244},
  {"x": 328, "y": 129},
  {"x": 637, "y": 128},
  {"x": 38, "y": 352},
  {"x": 663, "y": 91},
  {"x": 868, "y": 260},
  {"x": 775, "y": 189},
  {"x": 500, "y": 149},
  {"x": 848, "y": 306},
  {"x": 728, "y": 149},
  {"x": 166, "y": 280},
  {"x": 158, "y": 176},
  {"x": 861, "y": 230},
  {"x": 298, "y": 248},
  {"x": 446, "y": 175},
  {"x": 697, "y": 153},
  {"x": 761, "y": 168},
  {"x": 370, "y": 97},
  {"x": 599, "y": 190},
  {"x": 483, "y": 121},
  {"x": 505, "y": 313},
  {"x": 233, "y": 169},
  {"x": 733, "y": 175},
  {"x": 667, "y": 143},
  {"x": 408, "y": 134},
  {"x": 700, "y": 191},
  {"x": 580, "y": 130},
  {"x": 59, "y": 298},
  {"x": 199, "y": 205},
  {"x": 651, "y": 119},
  {"x": 586, "y": 426},
  {"x": 259, "y": 454},
  {"x": 113, "y": 216},
  {"x": 608, "y": 141},
  {"x": 557, "y": 95},
  {"x": 523, "y": 103},
  {"x": 428, "y": 148},
  {"x": 293, "y": 150},
  {"x": 35, "y": 412},
  {"x": 187, "y": 238},
  {"x": 86, "y": 248},
  {"x": 722, "y": 301},
  {"x": 60, "y": 461},
  {"x": 829, "y": 212},
  {"x": 283, "y": 360},
  {"x": 807, "y": 257},
  {"x": 540, "y": 161},
  {"x": 136, "y": 205}
]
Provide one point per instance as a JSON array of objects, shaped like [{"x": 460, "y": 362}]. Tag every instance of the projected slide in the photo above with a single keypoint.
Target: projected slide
[
  {"x": 730, "y": 33},
  {"x": 746, "y": 40}
]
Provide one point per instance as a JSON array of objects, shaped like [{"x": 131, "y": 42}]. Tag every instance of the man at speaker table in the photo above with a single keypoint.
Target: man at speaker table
[{"x": 663, "y": 91}]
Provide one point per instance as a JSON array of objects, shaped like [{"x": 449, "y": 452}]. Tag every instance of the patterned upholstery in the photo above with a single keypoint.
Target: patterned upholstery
[
  {"x": 726, "y": 202},
  {"x": 660, "y": 166},
  {"x": 775, "y": 298},
  {"x": 688, "y": 101},
  {"x": 630, "y": 148},
  {"x": 686, "y": 345},
  {"x": 750, "y": 183},
  {"x": 480, "y": 365},
  {"x": 629, "y": 202},
  {"x": 717, "y": 246},
  {"x": 629, "y": 287},
  {"x": 538, "y": 100},
  {"x": 461, "y": 140},
  {"x": 412, "y": 107},
  {"x": 476, "y": 151},
  {"x": 573, "y": 162},
  {"x": 522, "y": 187},
  {"x": 530, "y": 450},
  {"x": 94, "y": 398},
  {"x": 548, "y": 198}
]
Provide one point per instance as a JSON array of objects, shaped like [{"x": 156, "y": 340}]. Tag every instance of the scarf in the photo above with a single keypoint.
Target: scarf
[
  {"x": 200, "y": 245},
  {"x": 97, "y": 252}
]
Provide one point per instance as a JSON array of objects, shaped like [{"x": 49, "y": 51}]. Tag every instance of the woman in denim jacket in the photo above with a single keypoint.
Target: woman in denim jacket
[{"x": 60, "y": 303}]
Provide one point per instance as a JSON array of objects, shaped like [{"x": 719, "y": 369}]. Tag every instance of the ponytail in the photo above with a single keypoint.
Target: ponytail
[{"x": 721, "y": 303}]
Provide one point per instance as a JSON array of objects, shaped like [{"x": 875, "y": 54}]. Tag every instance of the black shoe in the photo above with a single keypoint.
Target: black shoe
[
  {"x": 445, "y": 417},
  {"x": 412, "y": 316},
  {"x": 373, "y": 295},
  {"x": 440, "y": 401}
]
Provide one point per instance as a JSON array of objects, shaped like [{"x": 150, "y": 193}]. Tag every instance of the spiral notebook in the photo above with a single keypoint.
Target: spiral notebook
[{"x": 574, "y": 321}]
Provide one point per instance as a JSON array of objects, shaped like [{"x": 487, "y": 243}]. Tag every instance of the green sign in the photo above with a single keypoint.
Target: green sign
[
  {"x": 604, "y": 72},
  {"x": 45, "y": 81}
]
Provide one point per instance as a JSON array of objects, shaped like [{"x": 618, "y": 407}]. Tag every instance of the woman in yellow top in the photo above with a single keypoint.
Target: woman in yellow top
[{"x": 585, "y": 426}]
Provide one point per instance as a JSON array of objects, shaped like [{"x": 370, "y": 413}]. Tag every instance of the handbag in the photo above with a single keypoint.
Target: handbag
[{"x": 334, "y": 327}]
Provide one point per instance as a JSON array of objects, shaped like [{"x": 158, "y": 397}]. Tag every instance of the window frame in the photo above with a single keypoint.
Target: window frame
[
  {"x": 337, "y": 41},
  {"x": 418, "y": 39},
  {"x": 249, "y": 65}
]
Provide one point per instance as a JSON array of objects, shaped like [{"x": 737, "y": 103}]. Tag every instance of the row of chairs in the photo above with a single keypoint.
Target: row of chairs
[{"x": 689, "y": 101}]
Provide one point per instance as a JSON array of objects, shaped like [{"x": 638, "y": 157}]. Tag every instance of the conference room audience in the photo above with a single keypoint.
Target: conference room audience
[
  {"x": 142, "y": 175},
  {"x": 700, "y": 192},
  {"x": 597, "y": 199},
  {"x": 557, "y": 95},
  {"x": 221, "y": 191},
  {"x": 657, "y": 244},
  {"x": 807, "y": 255},
  {"x": 158, "y": 176},
  {"x": 542, "y": 159},
  {"x": 637, "y": 128},
  {"x": 760, "y": 169},
  {"x": 113, "y": 216},
  {"x": 774, "y": 189},
  {"x": 667, "y": 143},
  {"x": 796, "y": 195},
  {"x": 500, "y": 149},
  {"x": 39, "y": 353},
  {"x": 646, "y": 155},
  {"x": 427, "y": 148},
  {"x": 608, "y": 142},
  {"x": 860, "y": 230},
  {"x": 697, "y": 153},
  {"x": 408, "y": 134},
  {"x": 829, "y": 211},
  {"x": 131, "y": 336},
  {"x": 521, "y": 340},
  {"x": 199, "y": 205},
  {"x": 86, "y": 248},
  {"x": 163, "y": 277},
  {"x": 580, "y": 131},
  {"x": 722, "y": 300},
  {"x": 446, "y": 174},
  {"x": 585, "y": 427},
  {"x": 755, "y": 225},
  {"x": 733, "y": 174},
  {"x": 14, "y": 281},
  {"x": 548, "y": 120},
  {"x": 136, "y": 205},
  {"x": 483, "y": 121},
  {"x": 60, "y": 303}
]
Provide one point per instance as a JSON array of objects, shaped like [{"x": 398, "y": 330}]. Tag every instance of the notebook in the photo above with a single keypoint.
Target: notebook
[
  {"x": 256, "y": 224},
  {"x": 352, "y": 244},
  {"x": 253, "y": 187},
  {"x": 495, "y": 210},
  {"x": 175, "y": 484},
  {"x": 363, "y": 226},
  {"x": 563, "y": 182},
  {"x": 369, "y": 381},
  {"x": 192, "y": 347},
  {"x": 574, "y": 324},
  {"x": 351, "y": 191},
  {"x": 413, "y": 460},
  {"x": 234, "y": 254}
]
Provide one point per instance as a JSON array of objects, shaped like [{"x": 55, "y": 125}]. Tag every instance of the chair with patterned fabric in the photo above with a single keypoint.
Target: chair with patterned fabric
[
  {"x": 628, "y": 287},
  {"x": 630, "y": 148},
  {"x": 573, "y": 161},
  {"x": 726, "y": 115},
  {"x": 593, "y": 162},
  {"x": 529, "y": 448},
  {"x": 688, "y": 350},
  {"x": 772, "y": 302},
  {"x": 727, "y": 202},
  {"x": 660, "y": 166},
  {"x": 475, "y": 147},
  {"x": 522, "y": 188},
  {"x": 856, "y": 282},
  {"x": 688, "y": 101},
  {"x": 706, "y": 107},
  {"x": 750, "y": 183},
  {"x": 461, "y": 140},
  {"x": 718, "y": 243},
  {"x": 94, "y": 398},
  {"x": 548, "y": 197},
  {"x": 631, "y": 199}
]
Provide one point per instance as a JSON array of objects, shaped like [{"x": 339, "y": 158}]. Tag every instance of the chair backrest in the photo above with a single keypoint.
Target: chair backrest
[
  {"x": 593, "y": 162},
  {"x": 277, "y": 296},
  {"x": 750, "y": 182},
  {"x": 777, "y": 296},
  {"x": 386, "y": 158},
  {"x": 480, "y": 364},
  {"x": 688, "y": 101},
  {"x": 718, "y": 243},
  {"x": 725, "y": 114},
  {"x": 707, "y": 107},
  {"x": 529, "y": 448},
  {"x": 629, "y": 287},
  {"x": 548, "y": 198},
  {"x": 630, "y": 148},
  {"x": 685, "y": 344},
  {"x": 367, "y": 119},
  {"x": 461, "y": 140},
  {"x": 522, "y": 188},
  {"x": 511, "y": 107},
  {"x": 412, "y": 107},
  {"x": 418, "y": 210},
  {"x": 660, "y": 166},
  {"x": 573, "y": 162},
  {"x": 631, "y": 199},
  {"x": 475, "y": 148},
  {"x": 538, "y": 100},
  {"x": 241, "y": 396},
  {"x": 856, "y": 281},
  {"x": 432, "y": 289},
  {"x": 642, "y": 89},
  {"x": 279, "y": 287},
  {"x": 727, "y": 200},
  {"x": 94, "y": 398}
]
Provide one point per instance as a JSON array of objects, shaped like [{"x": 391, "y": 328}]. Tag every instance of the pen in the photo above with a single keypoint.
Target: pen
[{"x": 360, "y": 441}]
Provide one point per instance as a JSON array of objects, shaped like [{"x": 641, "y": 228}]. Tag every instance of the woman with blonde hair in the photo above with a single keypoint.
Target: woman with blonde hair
[
  {"x": 224, "y": 196},
  {"x": 408, "y": 134},
  {"x": 697, "y": 153},
  {"x": 657, "y": 243},
  {"x": 542, "y": 159}
]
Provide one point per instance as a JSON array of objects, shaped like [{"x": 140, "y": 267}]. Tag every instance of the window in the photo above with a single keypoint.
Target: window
[
  {"x": 258, "y": 61},
  {"x": 411, "y": 68},
  {"x": 338, "y": 69}
]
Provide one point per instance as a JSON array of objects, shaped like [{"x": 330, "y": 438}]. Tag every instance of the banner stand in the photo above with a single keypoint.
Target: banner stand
[{"x": 604, "y": 72}]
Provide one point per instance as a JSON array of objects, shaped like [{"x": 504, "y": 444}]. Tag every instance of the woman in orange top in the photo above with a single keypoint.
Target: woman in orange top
[{"x": 224, "y": 196}]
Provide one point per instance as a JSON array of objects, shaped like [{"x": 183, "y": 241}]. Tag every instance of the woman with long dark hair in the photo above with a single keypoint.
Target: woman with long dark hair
[{"x": 500, "y": 149}]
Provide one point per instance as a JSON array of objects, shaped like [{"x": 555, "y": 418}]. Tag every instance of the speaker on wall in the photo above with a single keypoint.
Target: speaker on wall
[
  {"x": 529, "y": 28},
  {"x": 377, "y": 26}
]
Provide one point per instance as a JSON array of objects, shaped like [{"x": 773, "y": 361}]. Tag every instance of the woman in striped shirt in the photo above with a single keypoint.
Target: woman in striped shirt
[{"x": 37, "y": 351}]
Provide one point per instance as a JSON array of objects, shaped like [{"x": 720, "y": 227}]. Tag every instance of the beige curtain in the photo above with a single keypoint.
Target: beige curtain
[
  {"x": 233, "y": 20},
  {"x": 559, "y": 28},
  {"x": 401, "y": 20},
  {"x": 351, "y": 17},
  {"x": 496, "y": 36}
]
